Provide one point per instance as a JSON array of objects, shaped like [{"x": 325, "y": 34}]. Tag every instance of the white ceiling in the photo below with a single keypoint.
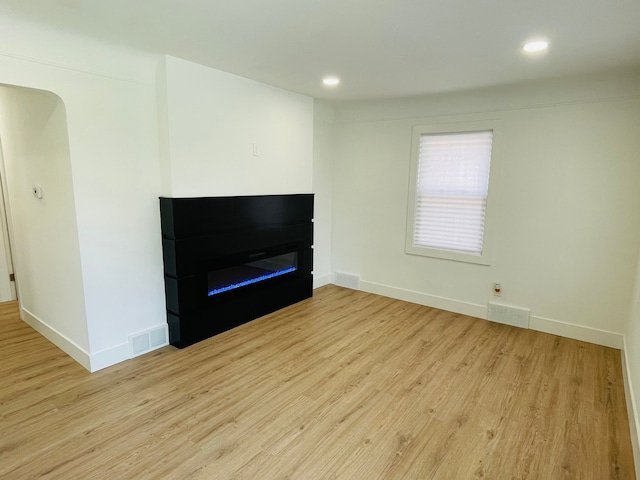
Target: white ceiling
[{"x": 379, "y": 48}]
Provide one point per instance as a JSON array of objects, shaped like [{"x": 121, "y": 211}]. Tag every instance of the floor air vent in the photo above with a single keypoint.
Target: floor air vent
[
  {"x": 348, "y": 280},
  {"x": 517, "y": 317},
  {"x": 147, "y": 341}
]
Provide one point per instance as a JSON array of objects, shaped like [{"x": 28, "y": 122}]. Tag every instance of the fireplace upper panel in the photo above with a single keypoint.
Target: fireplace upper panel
[{"x": 184, "y": 217}]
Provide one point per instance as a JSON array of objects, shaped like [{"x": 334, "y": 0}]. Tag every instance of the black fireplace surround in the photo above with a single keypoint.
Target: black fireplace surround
[{"x": 229, "y": 260}]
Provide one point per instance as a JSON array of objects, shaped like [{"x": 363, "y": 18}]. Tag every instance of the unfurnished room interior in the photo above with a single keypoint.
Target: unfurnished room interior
[{"x": 319, "y": 240}]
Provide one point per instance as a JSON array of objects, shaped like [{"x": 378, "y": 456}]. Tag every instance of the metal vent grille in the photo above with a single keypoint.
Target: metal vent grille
[
  {"x": 515, "y": 316},
  {"x": 347, "y": 280}
]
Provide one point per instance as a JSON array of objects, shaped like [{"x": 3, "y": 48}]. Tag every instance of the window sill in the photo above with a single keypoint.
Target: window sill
[{"x": 483, "y": 259}]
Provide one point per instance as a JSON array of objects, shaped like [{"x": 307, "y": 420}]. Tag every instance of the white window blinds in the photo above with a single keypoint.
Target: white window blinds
[{"x": 451, "y": 194}]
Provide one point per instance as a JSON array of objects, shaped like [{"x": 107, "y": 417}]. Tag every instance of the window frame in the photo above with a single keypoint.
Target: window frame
[{"x": 486, "y": 257}]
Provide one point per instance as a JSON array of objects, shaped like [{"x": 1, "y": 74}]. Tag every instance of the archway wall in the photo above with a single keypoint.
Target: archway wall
[
  {"x": 35, "y": 147},
  {"x": 115, "y": 268}
]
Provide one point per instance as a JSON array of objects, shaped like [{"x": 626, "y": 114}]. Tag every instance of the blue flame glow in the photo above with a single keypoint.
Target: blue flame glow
[{"x": 249, "y": 281}]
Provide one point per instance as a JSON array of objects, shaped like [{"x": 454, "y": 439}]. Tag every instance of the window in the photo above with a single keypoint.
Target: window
[{"x": 449, "y": 192}]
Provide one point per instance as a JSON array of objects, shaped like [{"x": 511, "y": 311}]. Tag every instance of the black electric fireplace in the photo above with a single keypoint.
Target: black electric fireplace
[{"x": 229, "y": 260}]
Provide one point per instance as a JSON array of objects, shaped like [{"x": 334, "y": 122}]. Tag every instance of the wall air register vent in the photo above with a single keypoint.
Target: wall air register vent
[{"x": 229, "y": 260}]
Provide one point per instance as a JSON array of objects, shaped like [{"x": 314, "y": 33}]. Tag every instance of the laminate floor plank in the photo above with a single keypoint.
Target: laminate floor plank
[{"x": 346, "y": 385}]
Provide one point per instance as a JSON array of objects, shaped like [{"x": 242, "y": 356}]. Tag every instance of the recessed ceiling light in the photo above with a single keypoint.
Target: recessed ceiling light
[
  {"x": 331, "y": 81},
  {"x": 537, "y": 46}
]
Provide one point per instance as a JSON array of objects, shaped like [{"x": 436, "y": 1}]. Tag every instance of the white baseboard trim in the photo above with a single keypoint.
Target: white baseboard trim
[
  {"x": 442, "y": 303},
  {"x": 109, "y": 356},
  {"x": 92, "y": 362},
  {"x": 547, "y": 325},
  {"x": 322, "y": 280},
  {"x": 55, "y": 337},
  {"x": 577, "y": 332},
  {"x": 632, "y": 411}
]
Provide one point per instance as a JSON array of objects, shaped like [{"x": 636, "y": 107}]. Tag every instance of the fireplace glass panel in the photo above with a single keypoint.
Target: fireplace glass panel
[{"x": 230, "y": 278}]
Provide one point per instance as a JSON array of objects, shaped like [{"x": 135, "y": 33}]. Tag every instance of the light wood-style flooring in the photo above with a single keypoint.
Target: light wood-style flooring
[{"x": 346, "y": 385}]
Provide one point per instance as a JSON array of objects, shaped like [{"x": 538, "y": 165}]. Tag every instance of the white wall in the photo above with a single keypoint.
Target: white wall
[
  {"x": 113, "y": 136},
  {"x": 35, "y": 146},
  {"x": 323, "y": 156},
  {"x": 564, "y": 195},
  {"x": 110, "y": 101},
  {"x": 214, "y": 118}
]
